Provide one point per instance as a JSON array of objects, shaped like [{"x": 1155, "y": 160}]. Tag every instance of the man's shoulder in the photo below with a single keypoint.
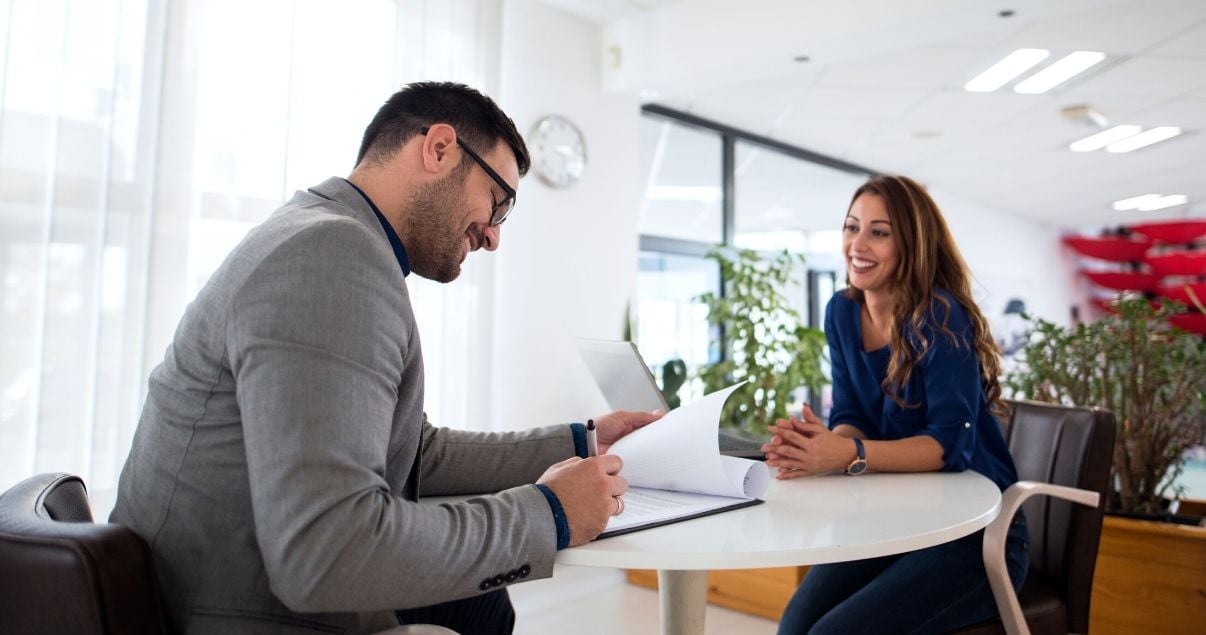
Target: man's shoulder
[{"x": 322, "y": 230}]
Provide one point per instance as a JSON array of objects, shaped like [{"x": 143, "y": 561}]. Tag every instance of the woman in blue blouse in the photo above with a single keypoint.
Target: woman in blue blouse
[{"x": 915, "y": 389}]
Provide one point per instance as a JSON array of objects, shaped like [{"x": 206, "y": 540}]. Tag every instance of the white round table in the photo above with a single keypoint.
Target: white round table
[{"x": 830, "y": 518}]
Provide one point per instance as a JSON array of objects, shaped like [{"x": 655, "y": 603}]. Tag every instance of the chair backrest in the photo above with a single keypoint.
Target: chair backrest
[
  {"x": 1072, "y": 447},
  {"x": 64, "y": 574}
]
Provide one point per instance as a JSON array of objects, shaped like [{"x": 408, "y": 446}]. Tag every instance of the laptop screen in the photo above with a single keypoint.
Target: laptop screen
[{"x": 621, "y": 375}]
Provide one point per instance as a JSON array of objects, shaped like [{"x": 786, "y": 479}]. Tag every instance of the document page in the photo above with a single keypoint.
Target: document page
[{"x": 675, "y": 470}]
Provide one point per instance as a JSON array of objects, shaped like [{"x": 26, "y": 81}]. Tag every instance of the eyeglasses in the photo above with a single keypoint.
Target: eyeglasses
[{"x": 503, "y": 208}]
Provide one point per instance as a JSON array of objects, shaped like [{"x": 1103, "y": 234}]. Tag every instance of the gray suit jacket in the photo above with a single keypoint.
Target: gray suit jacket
[{"x": 277, "y": 460}]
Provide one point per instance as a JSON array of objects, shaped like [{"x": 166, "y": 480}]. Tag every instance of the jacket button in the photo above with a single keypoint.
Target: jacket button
[
  {"x": 486, "y": 584},
  {"x": 524, "y": 571},
  {"x": 511, "y": 575},
  {"x": 966, "y": 424},
  {"x": 498, "y": 580}
]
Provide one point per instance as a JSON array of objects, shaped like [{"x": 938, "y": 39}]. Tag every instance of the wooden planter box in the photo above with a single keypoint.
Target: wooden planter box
[
  {"x": 1150, "y": 578},
  {"x": 761, "y": 592}
]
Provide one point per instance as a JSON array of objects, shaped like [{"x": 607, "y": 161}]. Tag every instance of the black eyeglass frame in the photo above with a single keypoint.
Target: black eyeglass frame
[{"x": 503, "y": 208}]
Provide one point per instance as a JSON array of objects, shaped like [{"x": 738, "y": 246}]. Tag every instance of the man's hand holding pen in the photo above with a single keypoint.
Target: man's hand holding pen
[
  {"x": 588, "y": 490},
  {"x": 591, "y": 489}
]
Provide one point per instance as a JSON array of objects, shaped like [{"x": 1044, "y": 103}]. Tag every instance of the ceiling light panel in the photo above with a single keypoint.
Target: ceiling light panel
[
  {"x": 1104, "y": 138},
  {"x": 1162, "y": 202},
  {"x": 1144, "y": 139},
  {"x": 1006, "y": 70},
  {"x": 1061, "y": 71},
  {"x": 1135, "y": 202}
]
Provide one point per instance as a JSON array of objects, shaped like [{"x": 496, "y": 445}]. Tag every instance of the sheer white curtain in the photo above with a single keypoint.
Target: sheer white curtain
[
  {"x": 139, "y": 141},
  {"x": 455, "y": 40}
]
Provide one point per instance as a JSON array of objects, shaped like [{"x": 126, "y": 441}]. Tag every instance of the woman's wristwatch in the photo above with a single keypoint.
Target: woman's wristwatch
[{"x": 859, "y": 464}]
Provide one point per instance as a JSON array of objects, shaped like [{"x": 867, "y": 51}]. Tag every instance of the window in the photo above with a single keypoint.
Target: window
[
  {"x": 682, "y": 173},
  {"x": 670, "y": 322},
  {"x": 708, "y": 184}
]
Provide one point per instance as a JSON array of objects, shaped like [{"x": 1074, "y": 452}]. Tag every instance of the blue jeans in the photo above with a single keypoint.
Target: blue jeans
[{"x": 933, "y": 590}]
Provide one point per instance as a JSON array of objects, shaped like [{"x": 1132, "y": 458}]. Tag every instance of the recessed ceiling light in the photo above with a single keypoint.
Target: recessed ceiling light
[
  {"x": 1145, "y": 138},
  {"x": 1061, "y": 71},
  {"x": 1006, "y": 70},
  {"x": 1104, "y": 138}
]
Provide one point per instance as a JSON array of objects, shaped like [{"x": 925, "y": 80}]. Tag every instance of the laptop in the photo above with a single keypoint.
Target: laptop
[{"x": 624, "y": 378}]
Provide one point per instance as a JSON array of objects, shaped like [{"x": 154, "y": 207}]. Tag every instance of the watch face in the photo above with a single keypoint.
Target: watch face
[
  {"x": 857, "y": 467},
  {"x": 558, "y": 151}
]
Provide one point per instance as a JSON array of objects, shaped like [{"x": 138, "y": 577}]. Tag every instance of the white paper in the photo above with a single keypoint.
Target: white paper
[{"x": 674, "y": 467}]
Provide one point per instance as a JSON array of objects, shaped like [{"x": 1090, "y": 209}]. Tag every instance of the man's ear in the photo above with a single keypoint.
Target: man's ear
[{"x": 437, "y": 148}]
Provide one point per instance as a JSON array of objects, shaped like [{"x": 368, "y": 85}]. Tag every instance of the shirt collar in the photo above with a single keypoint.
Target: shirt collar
[{"x": 394, "y": 240}]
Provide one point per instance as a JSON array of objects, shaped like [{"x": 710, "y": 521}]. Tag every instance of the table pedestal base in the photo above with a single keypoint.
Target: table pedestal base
[{"x": 683, "y": 596}]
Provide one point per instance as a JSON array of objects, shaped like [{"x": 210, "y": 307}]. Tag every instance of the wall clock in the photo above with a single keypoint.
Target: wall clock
[{"x": 558, "y": 151}]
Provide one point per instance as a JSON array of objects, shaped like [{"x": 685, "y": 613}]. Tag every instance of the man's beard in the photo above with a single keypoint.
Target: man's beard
[{"x": 435, "y": 228}]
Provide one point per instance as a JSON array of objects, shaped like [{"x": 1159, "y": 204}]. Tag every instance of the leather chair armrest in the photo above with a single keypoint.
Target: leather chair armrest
[{"x": 418, "y": 629}]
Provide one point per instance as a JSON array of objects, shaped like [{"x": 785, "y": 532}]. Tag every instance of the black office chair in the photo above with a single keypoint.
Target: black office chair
[
  {"x": 1064, "y": 453},
  {"x": 62, "y": 573},
  {"x": 65, "y": 574}
]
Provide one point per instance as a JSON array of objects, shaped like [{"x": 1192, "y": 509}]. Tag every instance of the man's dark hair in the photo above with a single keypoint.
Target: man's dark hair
[{"x": 479, "y": 122}]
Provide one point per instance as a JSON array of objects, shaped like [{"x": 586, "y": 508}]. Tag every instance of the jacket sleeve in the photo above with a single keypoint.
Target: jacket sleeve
[
  {"x": 953, "y": 389},
  {"x": 313, "y": 341},
  {"x": 463, "y": 462}
]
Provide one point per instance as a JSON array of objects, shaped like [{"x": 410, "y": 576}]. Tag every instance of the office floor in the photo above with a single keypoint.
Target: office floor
[{"x": 589, "y": 600}]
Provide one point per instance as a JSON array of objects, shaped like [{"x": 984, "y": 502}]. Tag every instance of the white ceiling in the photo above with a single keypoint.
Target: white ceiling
[{"x": 883, "y": 88}]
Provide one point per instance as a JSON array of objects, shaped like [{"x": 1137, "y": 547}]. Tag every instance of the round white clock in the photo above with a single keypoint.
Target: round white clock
[{"x": 558, "y": 151}]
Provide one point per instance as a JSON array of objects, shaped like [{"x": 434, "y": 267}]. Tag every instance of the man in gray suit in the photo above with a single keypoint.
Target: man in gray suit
[{"x": 278, "y": 461}]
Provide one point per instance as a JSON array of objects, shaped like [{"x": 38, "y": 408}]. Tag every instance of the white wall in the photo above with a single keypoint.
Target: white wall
[
  {"x": 1011, "y": 256},
  {"x": 566, "y": 266}
]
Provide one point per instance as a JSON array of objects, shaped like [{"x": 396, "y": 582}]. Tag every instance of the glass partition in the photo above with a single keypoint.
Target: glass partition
[{"x": 681, "y": 169}]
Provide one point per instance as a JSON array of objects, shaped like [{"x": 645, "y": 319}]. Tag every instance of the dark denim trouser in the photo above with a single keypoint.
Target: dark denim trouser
[
  {"x": 933, "y": 590},
  {"x": 488, "y": 614}
]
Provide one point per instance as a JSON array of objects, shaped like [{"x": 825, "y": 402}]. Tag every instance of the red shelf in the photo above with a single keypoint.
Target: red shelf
[
  {"x": 1112, "y": 249},
  {"x": 1179, "y": 292},
  {"x": 1123, "y": 281},
  {"x": 1192, "y": 322},
  {"x": 1179, "y": 263},
  {"x": 1173, "y": 232}
]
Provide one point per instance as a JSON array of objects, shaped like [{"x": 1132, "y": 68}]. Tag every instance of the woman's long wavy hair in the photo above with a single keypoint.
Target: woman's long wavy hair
[{"x": 927, "y": 259}]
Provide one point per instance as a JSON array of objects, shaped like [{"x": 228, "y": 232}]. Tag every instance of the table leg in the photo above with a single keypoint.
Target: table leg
[{"x": 683, "y": 596}]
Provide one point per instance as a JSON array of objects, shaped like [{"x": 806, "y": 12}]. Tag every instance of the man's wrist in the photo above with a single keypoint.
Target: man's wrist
[
  {"x": 563, "y": 532},
  {"x": 579, "y": 432}
]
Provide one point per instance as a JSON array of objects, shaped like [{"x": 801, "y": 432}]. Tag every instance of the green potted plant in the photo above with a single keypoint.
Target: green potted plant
[
  {"x": 1150, "y": 374},
  {"x": 765, "y": 342}
]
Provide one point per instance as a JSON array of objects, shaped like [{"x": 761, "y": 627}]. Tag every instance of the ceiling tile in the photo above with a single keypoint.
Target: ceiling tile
[
  {"x": 756, "y": 107},
  {"x": 1190, "y": 43},
  {"x": 872, "y": 105},
  {"x": 959, "y": 106},
  {"x": 914, "y": 68},
  {"x": 1147, "y": 76},
  {"x": 1123, "y": 29},
  {"x": 1183, "y": 113}
]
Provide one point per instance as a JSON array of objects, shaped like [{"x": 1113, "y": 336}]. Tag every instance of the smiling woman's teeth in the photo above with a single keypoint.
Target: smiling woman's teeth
[{"x": 862, "y": 264}]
